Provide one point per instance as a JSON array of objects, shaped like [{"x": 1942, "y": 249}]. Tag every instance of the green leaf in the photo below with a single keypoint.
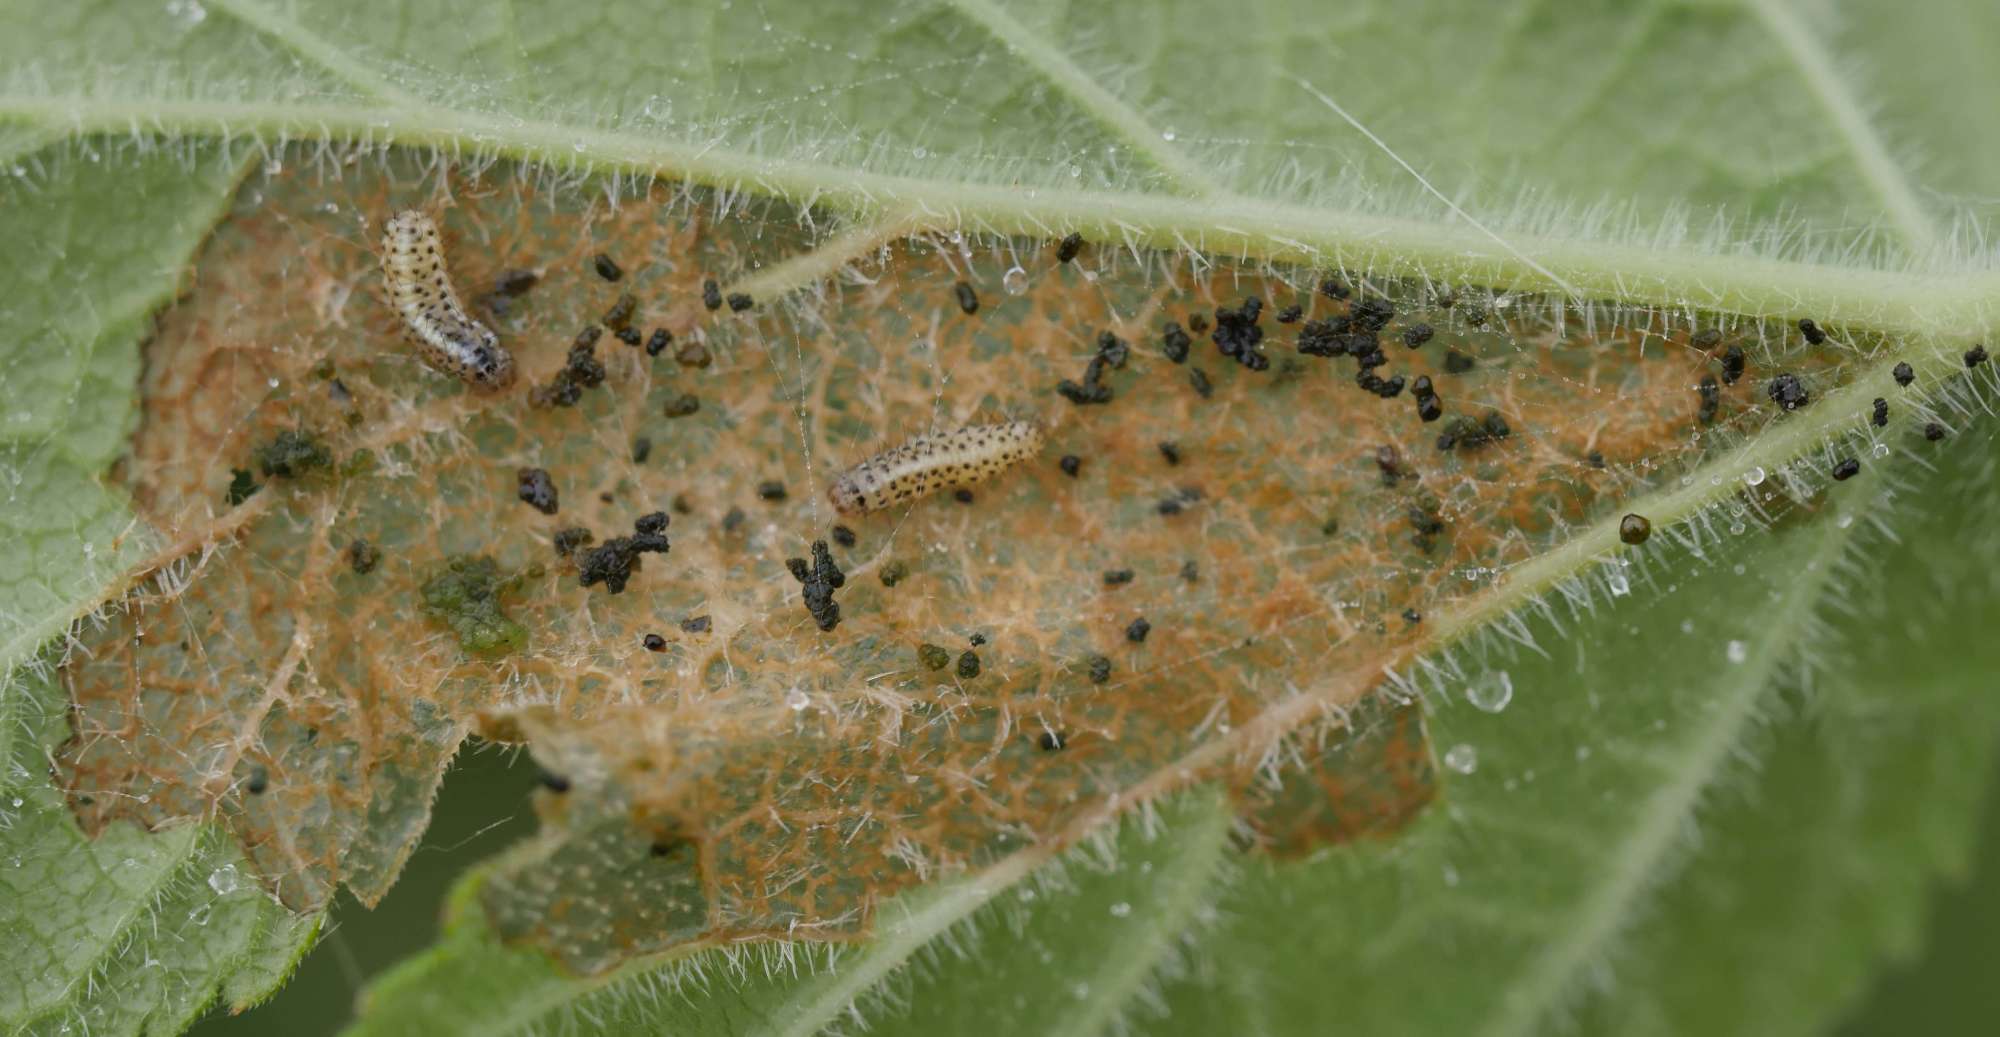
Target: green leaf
[
  {"x": 132, "y": 932},
  {"x": 1682, "y": 164},
  {"x": 125, "y": 934},
  {"x": 99, "y": 238}
]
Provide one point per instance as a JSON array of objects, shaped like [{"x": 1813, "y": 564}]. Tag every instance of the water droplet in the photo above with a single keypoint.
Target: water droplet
[
  {"x": 1015, "y": 281},
  {"x": 1492, "y": 691},
  {"x": 273, "y": 167},
  {"x": 797, "y": 700},
  {"x": 1880, "y": 450},
  {"x": 1754, "y": 476},
  {"x": 921, "y": 152},
  {"x": 577, "y": 147},
  {"x": 1844, "y": 521},
  {"x": 1618, "y": 584},
  {"x": 223, "y": 880},
  {"x": 1737, "y": 651},
  {"x": 189, "y": 13},
  {"x": 1120, "y": 909},
  {"x": 1075, "y": 171},
  {"x": 1462, "y": 758},
  {"x": 1737, "y": 528},
  {"x": 1167, "y": 135},
  {"x": 1687, "y": 626},
  {"x": 199, "y": 915}
]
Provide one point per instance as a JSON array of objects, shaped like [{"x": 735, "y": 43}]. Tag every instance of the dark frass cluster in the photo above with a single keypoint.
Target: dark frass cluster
[
  {"x": 619, "y": 316},
  {"x": 819, "y": 579},
  {"x": 1238, "y": 336},
  {"x": 613, "y": 562},
  {"x": 1358, "y": 334},
  {"x": 1788, "y": 391},
  {"x": 933, "y": 657},
  {"x": 1463, "y": 432},
  {"x": 1733, "y": 363},
  {"x": 1429, "y": 407},
  {"x": 537, "y": 490},
  {"x": 581, "y": 370},
  {"x": 1112, "y": 353}
]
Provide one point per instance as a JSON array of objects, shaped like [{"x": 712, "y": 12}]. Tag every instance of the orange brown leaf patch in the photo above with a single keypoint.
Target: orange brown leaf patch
[{"x": 732, "y": 768}]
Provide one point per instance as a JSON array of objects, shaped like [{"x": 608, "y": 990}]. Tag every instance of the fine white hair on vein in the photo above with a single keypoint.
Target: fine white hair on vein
[{"x": 1439, "y": 195}]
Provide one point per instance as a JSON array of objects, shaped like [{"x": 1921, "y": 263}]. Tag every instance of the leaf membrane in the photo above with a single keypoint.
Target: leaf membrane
[{"x": 757, "y": 775}]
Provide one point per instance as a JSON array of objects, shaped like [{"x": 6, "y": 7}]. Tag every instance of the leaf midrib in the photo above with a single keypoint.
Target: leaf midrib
[
  {"x": 1953, "y": 304},
  {"x": 1964, "y": 304}
]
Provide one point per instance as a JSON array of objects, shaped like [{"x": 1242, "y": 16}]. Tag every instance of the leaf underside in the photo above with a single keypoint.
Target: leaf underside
[
  {"x": 760, "y": 775},
  {"x": 1323, "y": 585}
]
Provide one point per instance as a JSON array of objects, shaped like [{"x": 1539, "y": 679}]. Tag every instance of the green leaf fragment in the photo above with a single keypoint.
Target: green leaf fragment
[
  {"x": 291, "y": 454},
  {"x": 467, "y": 598}
]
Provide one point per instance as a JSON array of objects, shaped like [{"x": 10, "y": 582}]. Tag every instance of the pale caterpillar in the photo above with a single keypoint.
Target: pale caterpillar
[
  {"x": 433, "y": 320},
  {"x": 934, "y": 461}
]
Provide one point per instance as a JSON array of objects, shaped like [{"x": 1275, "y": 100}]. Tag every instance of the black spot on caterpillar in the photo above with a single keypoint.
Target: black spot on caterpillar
[
  {"x": 433, "y": 320},
  {"x": 935, "y": 461}
]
